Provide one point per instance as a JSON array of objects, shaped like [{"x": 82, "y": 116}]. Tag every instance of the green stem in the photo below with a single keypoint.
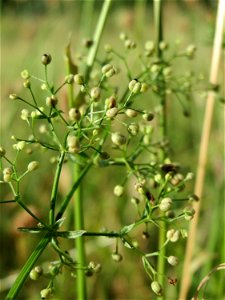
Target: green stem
[
  {"x": 97, "y": 37},
  {"x": 55, "y": 189},
  {"x": 162, "y": 230},
  {"x": 78, "y": 207},
  {"x": 19, "y": 282}
]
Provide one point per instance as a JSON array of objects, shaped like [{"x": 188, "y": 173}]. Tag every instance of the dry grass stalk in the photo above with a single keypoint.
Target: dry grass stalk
[{"x": 199, "y": 184}]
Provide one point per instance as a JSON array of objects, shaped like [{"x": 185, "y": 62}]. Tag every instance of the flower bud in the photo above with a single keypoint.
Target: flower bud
[
  {"x": 134, "y": 86},
  {"x": 95, "y": 93},
  {"x": 112, "y": 112},
  {"x": 74, "y": 114},
  {"x": 156, "y": 287},
  {"x": 36, "y": 273},
  {"x": 20, "y": 145},
  {"x": 46, "y": 59},
  {"x": 123, "y": 36},
  {"x": 190, "y": 51},
  {"x": 149, "y": 46},
  {"x": 189, "y": 213},
  {"x": 163, "y": 45},
  {"x": 69, "y": 79},
  {"x": 24, "y": 114},
  {"x": 193, "y": 197},
  {"x": 106, "y": 68},
  {"x": 25, "y": 74},
  {"x": 118, "y": 190},
  {"x": 173, "y": 235},
  {"x": 173, "y": 260},
  {"x": 34, "y": 165},
  {"x": 165, "y": 204},
  {"x": 144, "y": 87},
  {"x": 117, "y": 257},
  {"x": 148, "y": 117},
  {"x": 73, "y": 144},
  {"x": 79, "y": 79},
  {"x": 133, "y": 129},
  {"x": 13, "y": 96},
  {"x": 51, "y": 101},
  {"x": 131, "y": 113},
  {"x": 108, "y": 48},
  {"x": 46, "y": 293},
  {"x": 27, "y": 83},
  {"x": 118, "y": 139}
]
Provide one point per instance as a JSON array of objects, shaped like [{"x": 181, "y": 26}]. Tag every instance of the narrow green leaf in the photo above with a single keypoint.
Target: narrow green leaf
[
  {"x": 19, "y": 282},
  {"x": 70, "y": 234}
]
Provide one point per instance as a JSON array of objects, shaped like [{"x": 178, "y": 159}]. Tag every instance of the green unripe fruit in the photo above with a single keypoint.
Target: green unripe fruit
[
  {"x": 46, "y": 59},
  {"x": 189, "y": 213},
  {"x": 108, "y": 48},
  {"x": 24, "y": 114},
  {"x": 118, "y": 190},
  {"x": 149, "y": 46},
  {"x": 156, "y": 287},
  {"x": 79, "y": 79},
  {"x": 144, "y": 87},
  {"x": 173, "y": 260},
  {"x": 118, "y": 139},
  {"x": 36, "y": 273},
  {"x": 163, "y": 45}
]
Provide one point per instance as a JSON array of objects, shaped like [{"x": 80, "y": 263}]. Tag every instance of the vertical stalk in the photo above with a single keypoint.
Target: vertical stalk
[
  {"x": 78, "y": 206},
  {"x": 203, "y": 151},
  {"x": 162, "y": 231}
]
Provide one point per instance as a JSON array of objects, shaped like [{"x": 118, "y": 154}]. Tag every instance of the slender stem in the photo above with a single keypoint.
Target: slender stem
[
  {"x": 162, "y": 230},
  {"x": 55, "y": 189},
  {"x": 78, "y": 207},
  {"x": 97, "y": 37},
  {"x": 19, "y": 282},
  {"x": 69, "y": 196}
]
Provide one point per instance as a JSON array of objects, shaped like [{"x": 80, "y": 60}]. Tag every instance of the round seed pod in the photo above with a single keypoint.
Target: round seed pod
[
  {"x": 74, "y": 114},
  {"x": 95, "y": 93},
  {"x": 156, "y": 287},
  {"x": 106, "y": 68},
  {"x": 118, "y": 190},
  {"x": 148, "y": 117},
  {"x": 73, "y": 141},
  {"x": 118, "y": 139},
  {"x": 46, "y": 293},
  {"x": 46, "y": 59},
  {"x": 27, "y": 83},
  {"x": 163, "y": 45},
  {"x": 131, "y": 113},
  {"x": 173, "y": 260},
  {"x": 33, "y": 165},
  {"x": 79, "y": 79},
  {"x": 51, "y": 101},
  {"x": 112, "y": 112},
  {"x": 117, "y": 257},
  {"x": 173, "y": 235},
  {"x": 165, "y": 204},
  {"x": 69, "y": 79},
  {"x": 144, "y": 87},
  {"x": 133, "y": 129},
  {"x": 13, "y": 96},
  {"x": 24, "y": 114},
  {"x": 110, "y": 102}
]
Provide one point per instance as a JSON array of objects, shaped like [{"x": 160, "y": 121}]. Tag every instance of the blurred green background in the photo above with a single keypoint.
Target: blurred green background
[{"x": 31, "y": 28}]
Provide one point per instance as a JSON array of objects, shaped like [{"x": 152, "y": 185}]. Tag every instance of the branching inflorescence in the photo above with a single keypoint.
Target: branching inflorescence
[{"x": 107, "y": 127}]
